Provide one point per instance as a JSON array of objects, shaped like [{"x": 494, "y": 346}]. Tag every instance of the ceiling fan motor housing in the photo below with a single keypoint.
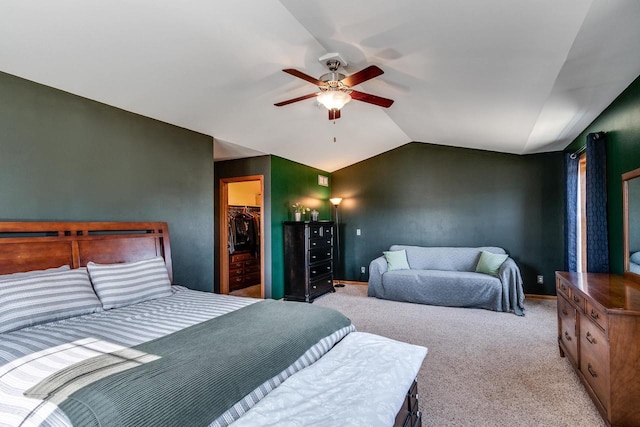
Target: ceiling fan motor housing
[{"x": 332, "y": 77}]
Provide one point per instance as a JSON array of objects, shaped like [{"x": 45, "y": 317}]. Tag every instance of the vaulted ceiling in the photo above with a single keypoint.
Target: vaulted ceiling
[{"x": 502, "y": 75}]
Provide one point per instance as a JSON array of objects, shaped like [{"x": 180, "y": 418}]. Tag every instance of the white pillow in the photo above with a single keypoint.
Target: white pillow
[
  {"x": 119, "y": 285},
  {"x": 41, "y": 298},
  {"x": 635, "y": 257}
]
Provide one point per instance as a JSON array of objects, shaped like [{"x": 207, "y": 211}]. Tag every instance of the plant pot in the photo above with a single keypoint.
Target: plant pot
[{"x": 297, "y": 216}]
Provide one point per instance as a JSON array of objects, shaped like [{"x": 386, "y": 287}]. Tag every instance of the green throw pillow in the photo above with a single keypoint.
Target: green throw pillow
[
  {"x": 490, "y": 263},
  {"x": 397, "y": 260}
]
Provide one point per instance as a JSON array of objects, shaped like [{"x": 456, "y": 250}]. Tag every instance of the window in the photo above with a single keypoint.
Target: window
[{"x": 581, "y": 220}]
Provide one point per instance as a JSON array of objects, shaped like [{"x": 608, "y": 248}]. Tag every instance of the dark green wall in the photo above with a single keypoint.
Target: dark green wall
[
  {"x": 291, "y": 182},
  {"x": 634, "y": 215},
  {"x": 423, "y": 194},
  {"x": 621, "y": 121},
  {"x": 63, "y": 157},
  {"x": 260, "y": 165}
]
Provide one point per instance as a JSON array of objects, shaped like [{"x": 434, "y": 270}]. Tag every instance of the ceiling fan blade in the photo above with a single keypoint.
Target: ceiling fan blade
[
  {"x": 300, "y": 98},
  {"x": 371, "y": 99},
  {"x": 303, "y": 76},
  {"x": 334, "y": 114},
  {"x": 362, "y": 76}
]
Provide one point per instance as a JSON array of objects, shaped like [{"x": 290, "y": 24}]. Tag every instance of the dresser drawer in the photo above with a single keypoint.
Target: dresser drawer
[
  {"x": 577, "y": 300},
  {"x": 315, "y": 231},
  {"x": 567, "y": 328},
  {"x": 320, "y": 230},
  {"x": 252, "y": 279},
  {"x": 236, "y": 272},
  {"x": 236, "y": 283},
  {"x": 236, "y": 264},
  {"x": 320, "y": 269},
  {"x": 563, "y": 289},
  {"x": 594, "y": 359},
  {"x": 250, "y": 262},
  {"x": 253, "y": 268},
  {"x": 319, "y": 242},
  {"x": 319, "y": 254},
  {"x": 320, "y": 286},
  {"x": 240, "y": 256},
  {"x": 596, "y": 315}
]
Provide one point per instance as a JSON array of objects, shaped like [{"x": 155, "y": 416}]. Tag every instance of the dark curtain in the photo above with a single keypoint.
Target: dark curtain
[
  {"x": 597, "y": 228},
  {"x": 571, "y": 215}
]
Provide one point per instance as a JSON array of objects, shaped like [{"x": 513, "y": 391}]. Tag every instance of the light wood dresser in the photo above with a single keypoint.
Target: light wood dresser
[{"x": 599, "y": 332}]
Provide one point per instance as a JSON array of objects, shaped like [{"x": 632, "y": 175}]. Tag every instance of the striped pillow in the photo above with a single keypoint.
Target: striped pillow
[
  {"x": 32, "y": 273},
  {"x": 118, "y": 285},
  {"x": 42, "y": 298}
]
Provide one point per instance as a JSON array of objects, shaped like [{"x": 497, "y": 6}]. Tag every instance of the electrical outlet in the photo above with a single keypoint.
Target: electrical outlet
[
  {"x": 363, "y": 270},
  {"x": 540, "y": 279}
]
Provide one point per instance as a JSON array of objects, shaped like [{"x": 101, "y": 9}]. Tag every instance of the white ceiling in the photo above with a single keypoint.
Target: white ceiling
[{"x": 502, "y": 75}]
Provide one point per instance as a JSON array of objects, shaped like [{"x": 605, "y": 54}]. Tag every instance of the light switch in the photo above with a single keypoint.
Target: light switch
[{"x": 358, "y": 232}]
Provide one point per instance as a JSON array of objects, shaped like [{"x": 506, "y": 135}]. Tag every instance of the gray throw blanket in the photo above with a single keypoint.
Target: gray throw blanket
[{"x": 192, "y": 376}]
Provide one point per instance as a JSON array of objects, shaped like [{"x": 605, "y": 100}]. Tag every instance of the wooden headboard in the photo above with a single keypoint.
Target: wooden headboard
[{"x": 26, "y": 246}]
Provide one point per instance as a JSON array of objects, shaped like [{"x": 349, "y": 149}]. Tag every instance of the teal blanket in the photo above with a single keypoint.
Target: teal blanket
[{"x": 192, "y": 376}]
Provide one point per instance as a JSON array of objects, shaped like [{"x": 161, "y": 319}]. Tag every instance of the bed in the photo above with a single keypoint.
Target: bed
[{"x": 93, "y": 332}]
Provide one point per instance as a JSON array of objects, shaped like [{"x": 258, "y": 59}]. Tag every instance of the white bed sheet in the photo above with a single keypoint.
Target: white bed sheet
[{"x": 362, "y": 381}]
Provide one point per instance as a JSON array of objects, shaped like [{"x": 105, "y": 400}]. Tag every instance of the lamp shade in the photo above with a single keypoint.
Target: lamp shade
[
  {"x": 334, "y": 99},
  {"x": 335, "y": 201}
]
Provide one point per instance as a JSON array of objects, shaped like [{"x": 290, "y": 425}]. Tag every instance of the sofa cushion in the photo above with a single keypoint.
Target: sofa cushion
[
  {"x": 489, "y": 263},
  {"x": 448, "y": 288},
  {"x": 444, "y": 258},
  {"x": 396, "y": 260}
]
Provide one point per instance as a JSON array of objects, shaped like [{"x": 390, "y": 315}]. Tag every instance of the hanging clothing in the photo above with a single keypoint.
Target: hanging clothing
[{"x": 244, "y": 233}]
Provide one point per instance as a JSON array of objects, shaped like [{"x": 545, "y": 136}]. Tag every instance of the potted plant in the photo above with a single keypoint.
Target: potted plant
[{"x": 298, "y": 210}]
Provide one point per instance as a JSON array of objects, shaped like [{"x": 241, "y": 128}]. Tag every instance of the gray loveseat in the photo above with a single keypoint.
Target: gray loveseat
[{"x": 446, "y": 276}]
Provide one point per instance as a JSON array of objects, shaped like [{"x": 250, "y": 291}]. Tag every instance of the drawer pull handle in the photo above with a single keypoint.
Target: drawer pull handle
[
  {"x": 313, "y": 272},
  {"x": 567, "y": 336},
  {"x": 576, "y": 299},
  {"x": 328, "y": 268},
  {"x": 314, "y": 257},
  {"x": 594, "y": 314},
  {"x": 591, "y": 371},
  {"x": 590, "y": 338},
  {"x": 565, "y": 312},
  {"x": 314, "y": 286}
]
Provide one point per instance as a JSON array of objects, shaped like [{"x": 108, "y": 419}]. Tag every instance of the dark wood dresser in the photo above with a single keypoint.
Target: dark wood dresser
[
  {"x": 308, "y": 259},
  {"x": 599, "y": 332},
  {"x": 244, "y": 270}
]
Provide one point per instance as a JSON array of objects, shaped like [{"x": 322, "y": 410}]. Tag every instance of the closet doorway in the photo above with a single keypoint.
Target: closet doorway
[{"x": 241, "y": 236}]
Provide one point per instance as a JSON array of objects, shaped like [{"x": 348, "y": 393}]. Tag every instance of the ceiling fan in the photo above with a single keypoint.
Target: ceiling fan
[{"x": 336, "y": 88}]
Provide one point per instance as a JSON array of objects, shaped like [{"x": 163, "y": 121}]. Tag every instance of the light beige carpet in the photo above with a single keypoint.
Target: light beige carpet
[{"x": 483, "y": 368}]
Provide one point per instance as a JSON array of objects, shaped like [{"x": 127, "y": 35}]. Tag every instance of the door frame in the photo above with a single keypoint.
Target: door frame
[{"x": 224, "y": 230}]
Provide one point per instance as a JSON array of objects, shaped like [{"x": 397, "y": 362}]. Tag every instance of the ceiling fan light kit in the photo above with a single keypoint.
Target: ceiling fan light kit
[
  {"x": 334, "y": 99},
  {"x": 335, "y": 88}
]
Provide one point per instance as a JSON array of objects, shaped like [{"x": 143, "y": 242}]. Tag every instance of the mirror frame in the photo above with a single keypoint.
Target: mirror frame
[{"x": 625, "y": 222}]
